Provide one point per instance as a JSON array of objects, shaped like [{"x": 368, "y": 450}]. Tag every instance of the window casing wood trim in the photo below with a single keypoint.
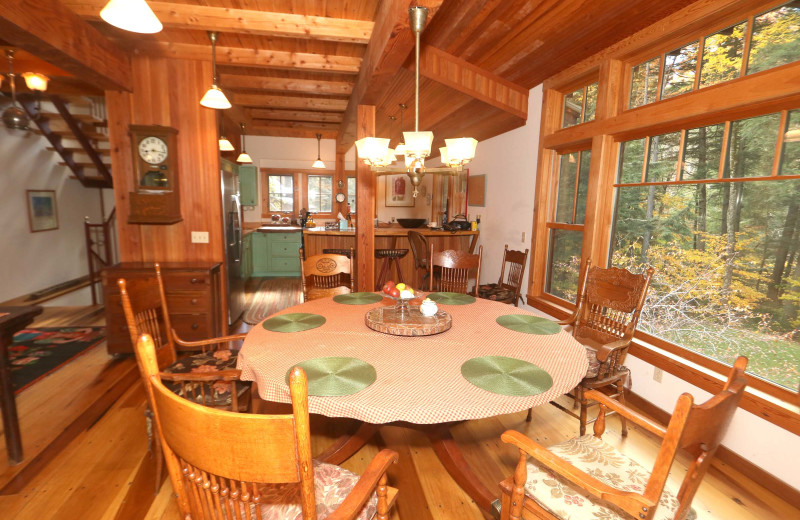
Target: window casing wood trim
[{"x": 769, "y": 91}]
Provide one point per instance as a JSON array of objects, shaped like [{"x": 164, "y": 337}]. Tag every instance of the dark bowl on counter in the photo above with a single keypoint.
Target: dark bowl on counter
[{"x": 412, "y": 222}]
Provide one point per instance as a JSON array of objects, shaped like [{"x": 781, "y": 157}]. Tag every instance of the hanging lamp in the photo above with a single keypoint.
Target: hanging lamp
[
  {"x": 244, "y": 157},
  {"x": 14, "y": 117},
  {"x": 214, "y": 97},
  {"x": 224, "y": 144},
  {"x": 400, "y": 149},
  {"x": 131, "y": 15},
  {"x": 318, "y": 163}
]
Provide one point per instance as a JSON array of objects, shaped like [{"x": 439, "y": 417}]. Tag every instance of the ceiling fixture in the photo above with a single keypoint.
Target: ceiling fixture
[
  {"x": 214, "y": 97},
  {"x": 14, "y": 117},
  {"x": 131, "y": 15},
  {"x": 35, "y": 81},
  {"x": 318, "y": 163},
  {"x": 400, "y": 149},
  {"x": 224, "y": 144},
  {"x": 243, "y": 157},
  {"x": 375, "y": 151}
]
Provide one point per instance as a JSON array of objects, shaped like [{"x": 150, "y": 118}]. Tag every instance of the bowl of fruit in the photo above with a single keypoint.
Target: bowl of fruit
[{"x": 400, "y": 292}]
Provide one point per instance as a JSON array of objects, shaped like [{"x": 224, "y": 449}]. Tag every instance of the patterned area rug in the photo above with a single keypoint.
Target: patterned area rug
[
  {"x": 273, "y": 295},
  {"x": 36, "y": 353}
]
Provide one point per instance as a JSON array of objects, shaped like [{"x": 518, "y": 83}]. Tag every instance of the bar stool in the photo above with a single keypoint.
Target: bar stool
[
  {"x": 389, "y": 256},
  {"x": 345, "y": 252}
]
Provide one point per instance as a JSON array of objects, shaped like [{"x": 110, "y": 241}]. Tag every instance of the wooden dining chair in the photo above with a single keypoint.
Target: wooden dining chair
[
  {"x": 453, "y": 270},
  {"x": 586, "y": 478},
  {"x": 209, "y": 377},
  {"x": 507, "y": 289},
  {"x": 608, "y": 309},
  {"x": 420, "y": 249},
  {"x": 324, "y": 275},
  {"x": 226, "y": 465}
]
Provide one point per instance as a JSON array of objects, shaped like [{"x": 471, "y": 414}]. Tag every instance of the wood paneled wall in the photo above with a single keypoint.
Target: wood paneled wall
[{"x": 167, "y": 92}]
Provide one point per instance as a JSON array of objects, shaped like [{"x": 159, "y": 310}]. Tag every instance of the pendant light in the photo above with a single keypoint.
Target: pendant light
[
  {"x": 400, "y": 149},
  {"x": 318, "y": 163},
  {"x": 131, "y": 15},
  {"x": 243, "y": 157},
  {"x": 224, "y": 144},
  {"x": 14, "y": 117},
  {"x": 214, "y": 97}
]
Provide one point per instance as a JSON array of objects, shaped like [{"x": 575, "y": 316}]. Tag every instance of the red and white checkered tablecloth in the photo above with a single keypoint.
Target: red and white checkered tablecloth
[{"x": 418, "y": 378}]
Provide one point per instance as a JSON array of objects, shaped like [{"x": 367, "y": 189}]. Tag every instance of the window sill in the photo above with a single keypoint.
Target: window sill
[{"x": 777, "y": 411}]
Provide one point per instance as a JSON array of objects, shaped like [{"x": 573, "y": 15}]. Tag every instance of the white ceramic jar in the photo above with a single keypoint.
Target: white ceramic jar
[{"x": 428, "y": 307}]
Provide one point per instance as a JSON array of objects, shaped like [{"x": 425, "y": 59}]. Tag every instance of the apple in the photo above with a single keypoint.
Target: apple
[
  {"x": 386, "y": 288},
  {"x": 390, "y": 284},
  {"x": 394, "y": 292}
]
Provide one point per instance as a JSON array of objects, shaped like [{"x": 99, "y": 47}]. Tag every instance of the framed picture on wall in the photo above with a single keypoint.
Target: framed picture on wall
[
  {"x": 399, "y": 191},
  {"x": 476, "y": 190},
  {"x": 42, "y": 211}
]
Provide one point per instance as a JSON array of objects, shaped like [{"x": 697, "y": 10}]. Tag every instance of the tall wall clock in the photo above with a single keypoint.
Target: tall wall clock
[{"x": 155, "y": 168}]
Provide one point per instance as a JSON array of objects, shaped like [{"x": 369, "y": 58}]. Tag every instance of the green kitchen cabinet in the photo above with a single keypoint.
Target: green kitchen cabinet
[
  {"x": 247, "y": 257},
  {"x": 276, "y": 254},
  {"x": 248, "y": 185}
]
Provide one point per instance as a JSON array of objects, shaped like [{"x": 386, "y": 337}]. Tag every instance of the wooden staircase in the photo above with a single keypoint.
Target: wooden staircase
[{"x": 76, "y": 130}]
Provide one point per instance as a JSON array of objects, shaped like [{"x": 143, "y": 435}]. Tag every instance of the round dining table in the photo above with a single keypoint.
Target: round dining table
[{"x": 418, "y": 379}]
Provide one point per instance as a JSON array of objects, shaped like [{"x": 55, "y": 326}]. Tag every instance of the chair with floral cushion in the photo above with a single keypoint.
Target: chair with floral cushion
[
  {"x": 507, "y": 289},
  {"x": 209, "y": 376},
  {"x": 585, "y": 477},
  {"x": 226, "y": 465},
  {"x": 607, "y": 312}
]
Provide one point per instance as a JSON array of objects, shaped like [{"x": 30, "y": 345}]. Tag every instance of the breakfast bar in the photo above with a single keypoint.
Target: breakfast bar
[{"x": 394, "y": 237}]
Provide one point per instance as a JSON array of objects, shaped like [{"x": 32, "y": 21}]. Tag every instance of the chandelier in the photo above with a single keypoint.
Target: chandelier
[{"x": 375, "y": 151}]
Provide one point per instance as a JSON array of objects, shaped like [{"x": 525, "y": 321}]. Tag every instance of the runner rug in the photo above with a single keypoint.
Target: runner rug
[
  {"x": 37, "y": 353},
  {"x": 273, "y": 295}
]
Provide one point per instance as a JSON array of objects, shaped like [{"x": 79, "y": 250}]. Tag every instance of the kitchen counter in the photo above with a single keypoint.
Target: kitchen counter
[
  {"x": 279, "y": 229},
  {"x": 390, "y": 232}
]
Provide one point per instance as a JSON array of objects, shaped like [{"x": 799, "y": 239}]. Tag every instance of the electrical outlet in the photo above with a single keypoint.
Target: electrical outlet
[
  {"x": 199, "y": 237},
  {"x": 523, "y": 236},
  {"x": 658, "y": 374}
]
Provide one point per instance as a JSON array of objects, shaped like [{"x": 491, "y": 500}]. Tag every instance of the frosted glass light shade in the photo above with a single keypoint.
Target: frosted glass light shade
[
  {"x": 35, "y": 81},
  {"x": 410, "y": 160},
  {"x": 318, "y": 164},
  {"x": 372, "y": 150},
  {"x": 443, "y": 155},
  {"x": 225, "y": 145},
  {"x": 131, "y": 15},
  {"x": 400, "y": 149},
  {"x": 418, "y": 144},
  {"x": 461, "y": 151},
  {"x": 215, "y": 98},
  {"x": 244, "y": 157}
]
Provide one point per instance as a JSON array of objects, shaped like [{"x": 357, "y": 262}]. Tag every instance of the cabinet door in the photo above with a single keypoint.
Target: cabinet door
[
  {"x": 260, "y": 253},
  {"x": 247, "y": 257},
  {"x": 248, "y": 185}
]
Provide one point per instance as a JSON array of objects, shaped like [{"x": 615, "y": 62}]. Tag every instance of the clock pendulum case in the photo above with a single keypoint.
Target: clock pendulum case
[{"x": 156, "y": 199}]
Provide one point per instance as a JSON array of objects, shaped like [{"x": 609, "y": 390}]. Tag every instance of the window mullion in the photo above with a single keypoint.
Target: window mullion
[
  {"x": 646, "y": 158},
  {"x": 661, "y": 65},
  {"x": 701, "y": 45},
  {"x": 575, "y": 191},
  {"x": 748, "y": 35},
  {"x": 723, "y": 156},
  {"x": 681, "y": 152},
  {"x": 782, "y": 127}
]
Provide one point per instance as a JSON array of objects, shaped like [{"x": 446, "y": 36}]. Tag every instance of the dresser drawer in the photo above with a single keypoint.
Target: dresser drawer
[
  {"x": 191, "y": 326},
  {"x": 188, "y": 302},
  {"x": 186, "y": 281},
  {"x": 284, "y": 265},
  {"x": 284, "y": 249}
]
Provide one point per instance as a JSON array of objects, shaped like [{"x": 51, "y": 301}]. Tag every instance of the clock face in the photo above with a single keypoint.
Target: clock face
[{"x": 153, "y": 150}]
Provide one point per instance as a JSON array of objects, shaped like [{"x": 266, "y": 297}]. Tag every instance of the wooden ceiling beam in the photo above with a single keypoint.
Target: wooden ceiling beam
[
  {"x": 295, "y": 124},
  {"x": 247, "y": 21},
  {"x": 51, "y": 31},
  {"x": 474, "y": 81},
  {"x": 255, "y": 57},
  {"x": 391, "y": 42},
  {"x": 308, "y": 86},
  {"x": 302, "y": 103},
  {"x": 280, "y": 131},
  {"x": 294, "y": 115}
]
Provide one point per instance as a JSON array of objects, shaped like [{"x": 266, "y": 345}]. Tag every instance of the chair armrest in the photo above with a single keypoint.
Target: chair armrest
[
  {"x": 354, "y": 502},
  {"x": 628, "y": 413},
  {"x": 205, "y": 342},
  {"x": 627, "y": 500},
  {"x": 603, "y": 351},
  {"x": 202, "y": 377}
]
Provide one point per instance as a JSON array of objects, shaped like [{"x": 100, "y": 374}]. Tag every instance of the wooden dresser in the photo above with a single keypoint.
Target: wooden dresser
[{"x": 193, "y": 292}]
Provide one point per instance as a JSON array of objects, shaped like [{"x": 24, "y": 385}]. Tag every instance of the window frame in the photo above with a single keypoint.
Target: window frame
[
  {"x": 266, "y": 212},
  {"x": 614, "y": 123}
]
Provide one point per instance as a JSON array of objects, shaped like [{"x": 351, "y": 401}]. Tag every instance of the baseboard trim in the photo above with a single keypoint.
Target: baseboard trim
[{"x": 725, "y": 455}]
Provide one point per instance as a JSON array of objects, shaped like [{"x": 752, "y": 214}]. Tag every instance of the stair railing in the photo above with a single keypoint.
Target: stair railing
[{"x": 101, "y": 248}]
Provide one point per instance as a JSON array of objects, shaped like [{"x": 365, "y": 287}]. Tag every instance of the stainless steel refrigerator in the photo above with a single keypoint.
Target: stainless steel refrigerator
[{"x": 232, "y": 213}]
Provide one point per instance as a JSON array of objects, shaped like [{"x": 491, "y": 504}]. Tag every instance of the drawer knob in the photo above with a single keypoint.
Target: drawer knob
[
  {"x": 195, "y": 326},
  {"x": 194, "y": 301},
  {"x": 195, "y": 280}
]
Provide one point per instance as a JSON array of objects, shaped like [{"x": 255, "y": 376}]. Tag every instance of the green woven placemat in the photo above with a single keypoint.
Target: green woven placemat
[
  {"x": 328, "y": 376},
  {"x": 529, "y": 324},
  {"x": 357, "y": 298},
  {"x": 451, "y": 298},
  {"x": 293, "y": 322},
  {"x": 506, "y": 376}
]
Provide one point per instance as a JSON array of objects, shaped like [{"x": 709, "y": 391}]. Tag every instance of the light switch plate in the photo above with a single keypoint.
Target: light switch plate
[{"x": 199, "y": 237}]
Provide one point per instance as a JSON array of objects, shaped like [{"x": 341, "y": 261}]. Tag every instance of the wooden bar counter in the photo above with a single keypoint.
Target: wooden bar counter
[{"x": 394, "y": 237}]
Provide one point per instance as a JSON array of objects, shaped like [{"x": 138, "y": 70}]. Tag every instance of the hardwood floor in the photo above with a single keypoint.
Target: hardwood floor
[{"x": 104, "y": 471}]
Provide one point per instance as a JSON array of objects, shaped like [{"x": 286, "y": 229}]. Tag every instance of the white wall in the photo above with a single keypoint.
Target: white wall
[
  {"x": 509, "y": 162},
  {"x": 34, "y": 261}
]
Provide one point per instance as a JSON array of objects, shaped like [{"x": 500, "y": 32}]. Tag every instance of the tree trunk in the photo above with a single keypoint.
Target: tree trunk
[
  {"x": 702, "y": 193},
  {"x": 782, "y": 252}
]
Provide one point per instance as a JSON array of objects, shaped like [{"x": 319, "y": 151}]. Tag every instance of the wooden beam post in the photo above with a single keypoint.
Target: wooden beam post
[
  {"x": 365, "y": 207},
  {"x": 51, "y": 31}
]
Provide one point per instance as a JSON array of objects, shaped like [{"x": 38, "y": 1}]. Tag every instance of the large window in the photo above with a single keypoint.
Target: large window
[
  {"x": 722, "y": 230},
  {"x": 281, "y": 193},
  {"x": 320, "y": 193}
]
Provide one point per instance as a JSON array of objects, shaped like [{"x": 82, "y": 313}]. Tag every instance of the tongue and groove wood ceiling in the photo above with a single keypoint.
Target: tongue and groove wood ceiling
[{"x": 294, "y": 67}]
